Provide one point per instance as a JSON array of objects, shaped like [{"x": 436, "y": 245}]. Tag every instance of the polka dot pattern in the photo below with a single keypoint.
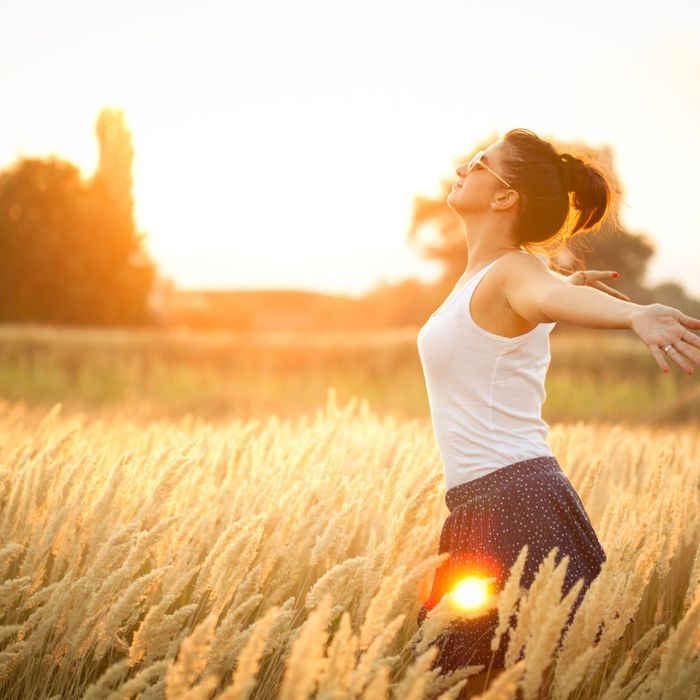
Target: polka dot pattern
[{"x": 491, "y": 517}]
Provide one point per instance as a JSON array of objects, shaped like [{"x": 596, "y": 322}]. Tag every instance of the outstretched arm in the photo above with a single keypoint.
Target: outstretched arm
[{"x": 536, "y": 293}]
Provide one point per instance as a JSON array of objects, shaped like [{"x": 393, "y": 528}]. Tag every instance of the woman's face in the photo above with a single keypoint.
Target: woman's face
[{"x": 475, "y": 191}]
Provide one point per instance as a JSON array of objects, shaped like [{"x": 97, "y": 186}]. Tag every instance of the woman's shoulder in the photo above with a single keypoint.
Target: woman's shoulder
[
  {"x": 515, "y": 261},
  {"x": 542, "y": 256},
  {"x": 520, "y": 254}
]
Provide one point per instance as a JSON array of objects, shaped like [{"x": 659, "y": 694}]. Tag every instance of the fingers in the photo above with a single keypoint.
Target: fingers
[
  {"x": 597, "y": 275},
  {"x": 675, "y": 354},
  {"x": 689, "y": 321},
  {"x": 691, "y": 339},
  {"x": 659, "y": 356},
  {"x": 679, "y": 357},
  {"x": 687, "y": 351},
  {"x": 617, "y": 293},
  {"x": 613, "y": 292}
]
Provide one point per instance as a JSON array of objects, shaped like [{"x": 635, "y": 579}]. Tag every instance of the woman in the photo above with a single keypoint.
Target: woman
[{"x": 485, "y": 353}]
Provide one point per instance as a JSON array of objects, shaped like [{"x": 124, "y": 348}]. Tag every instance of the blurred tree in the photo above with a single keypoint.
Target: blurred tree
[
  {"x": 69, "y": 250},
  {"x": 125, "y": 269}
]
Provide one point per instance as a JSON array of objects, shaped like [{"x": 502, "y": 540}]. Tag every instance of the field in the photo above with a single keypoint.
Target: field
[
  {"x": 220, "y": 517},
  {"x": 600, "y": 376}
]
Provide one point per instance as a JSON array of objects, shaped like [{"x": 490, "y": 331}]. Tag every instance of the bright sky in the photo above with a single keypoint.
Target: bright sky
[{"x": 280, "y": 144}]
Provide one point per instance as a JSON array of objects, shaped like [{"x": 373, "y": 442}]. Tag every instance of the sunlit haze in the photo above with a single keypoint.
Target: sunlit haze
[{"x": 280, "y": 145}]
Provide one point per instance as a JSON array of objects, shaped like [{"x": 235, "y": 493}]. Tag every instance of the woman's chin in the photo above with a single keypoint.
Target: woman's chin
[{"x": 452, "y": 201}]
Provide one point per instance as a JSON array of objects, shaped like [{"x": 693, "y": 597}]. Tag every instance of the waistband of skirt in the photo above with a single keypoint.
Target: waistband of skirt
[{"x": 497, "y": 479}]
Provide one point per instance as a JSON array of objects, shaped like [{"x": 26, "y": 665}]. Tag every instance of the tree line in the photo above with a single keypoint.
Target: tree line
[{"x": 70, "y": 252}]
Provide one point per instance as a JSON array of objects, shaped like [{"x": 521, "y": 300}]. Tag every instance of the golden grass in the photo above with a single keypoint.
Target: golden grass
[{"x": 287, "y": 558}]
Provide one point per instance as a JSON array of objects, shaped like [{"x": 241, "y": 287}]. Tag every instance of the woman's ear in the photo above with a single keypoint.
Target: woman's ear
[{"x": 505, "y": 200}]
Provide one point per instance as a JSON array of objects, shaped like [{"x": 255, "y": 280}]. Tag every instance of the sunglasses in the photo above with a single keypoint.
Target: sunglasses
[{"x": 477, "y": 160}]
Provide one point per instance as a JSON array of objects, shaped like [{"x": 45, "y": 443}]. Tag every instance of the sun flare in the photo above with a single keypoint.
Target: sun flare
[{"x": 472, "y": 592}]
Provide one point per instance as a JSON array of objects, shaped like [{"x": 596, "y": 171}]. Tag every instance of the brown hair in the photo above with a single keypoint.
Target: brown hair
[{"x": 550, "y": 183}]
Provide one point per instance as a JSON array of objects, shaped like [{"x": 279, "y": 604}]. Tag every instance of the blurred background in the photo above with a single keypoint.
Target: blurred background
[{"x": 226, "y": 208}]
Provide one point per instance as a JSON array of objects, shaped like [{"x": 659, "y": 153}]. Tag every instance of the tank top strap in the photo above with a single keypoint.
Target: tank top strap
[
  {"x": 474, "y": 279},
  {"x": 483, "y": 270}
]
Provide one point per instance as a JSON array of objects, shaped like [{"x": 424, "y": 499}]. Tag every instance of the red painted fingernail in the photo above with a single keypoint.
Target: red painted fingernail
[{"x": 616, "y": 274}]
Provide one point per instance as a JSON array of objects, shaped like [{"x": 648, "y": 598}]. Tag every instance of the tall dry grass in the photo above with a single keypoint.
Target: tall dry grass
[{"x": 288, "y": 559}]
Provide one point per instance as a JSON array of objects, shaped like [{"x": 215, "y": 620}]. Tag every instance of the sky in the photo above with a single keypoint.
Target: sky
[{"x": 280, "y": 145}]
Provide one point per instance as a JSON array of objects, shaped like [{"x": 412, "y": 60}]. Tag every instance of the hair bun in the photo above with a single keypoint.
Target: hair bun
[
  {"x": 573, "y": 170},
  {"x": 584, "y": 181}
]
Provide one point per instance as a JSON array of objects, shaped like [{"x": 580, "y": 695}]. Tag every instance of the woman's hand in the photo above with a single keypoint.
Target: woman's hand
[
  {"x": 659, "y": 326},
  {"x": 592, "y": 278}
]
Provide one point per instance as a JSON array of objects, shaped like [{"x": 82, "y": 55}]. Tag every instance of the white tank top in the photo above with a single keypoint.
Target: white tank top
[{"x": 485, "y": 390}]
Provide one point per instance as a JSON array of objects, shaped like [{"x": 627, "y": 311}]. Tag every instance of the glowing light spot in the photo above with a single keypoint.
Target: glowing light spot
[{"x": 472, "y": 592}]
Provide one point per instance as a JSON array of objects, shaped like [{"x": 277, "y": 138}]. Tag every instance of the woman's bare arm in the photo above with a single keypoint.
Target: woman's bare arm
[
  {"x": 535, "y": 293},
  {"x": 587, "y": 307},
  {"x": 541, "y": 296}
]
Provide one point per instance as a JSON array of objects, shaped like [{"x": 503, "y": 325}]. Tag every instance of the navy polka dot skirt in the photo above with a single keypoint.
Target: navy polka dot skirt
[{"x": 528, "y": 502}]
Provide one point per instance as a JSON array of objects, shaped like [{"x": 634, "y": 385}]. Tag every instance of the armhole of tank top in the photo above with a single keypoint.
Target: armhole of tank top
[{"x": 503, "y": 339}]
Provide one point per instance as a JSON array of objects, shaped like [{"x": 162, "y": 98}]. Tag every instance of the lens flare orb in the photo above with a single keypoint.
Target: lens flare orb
[{"x": 472, "y": 592}]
